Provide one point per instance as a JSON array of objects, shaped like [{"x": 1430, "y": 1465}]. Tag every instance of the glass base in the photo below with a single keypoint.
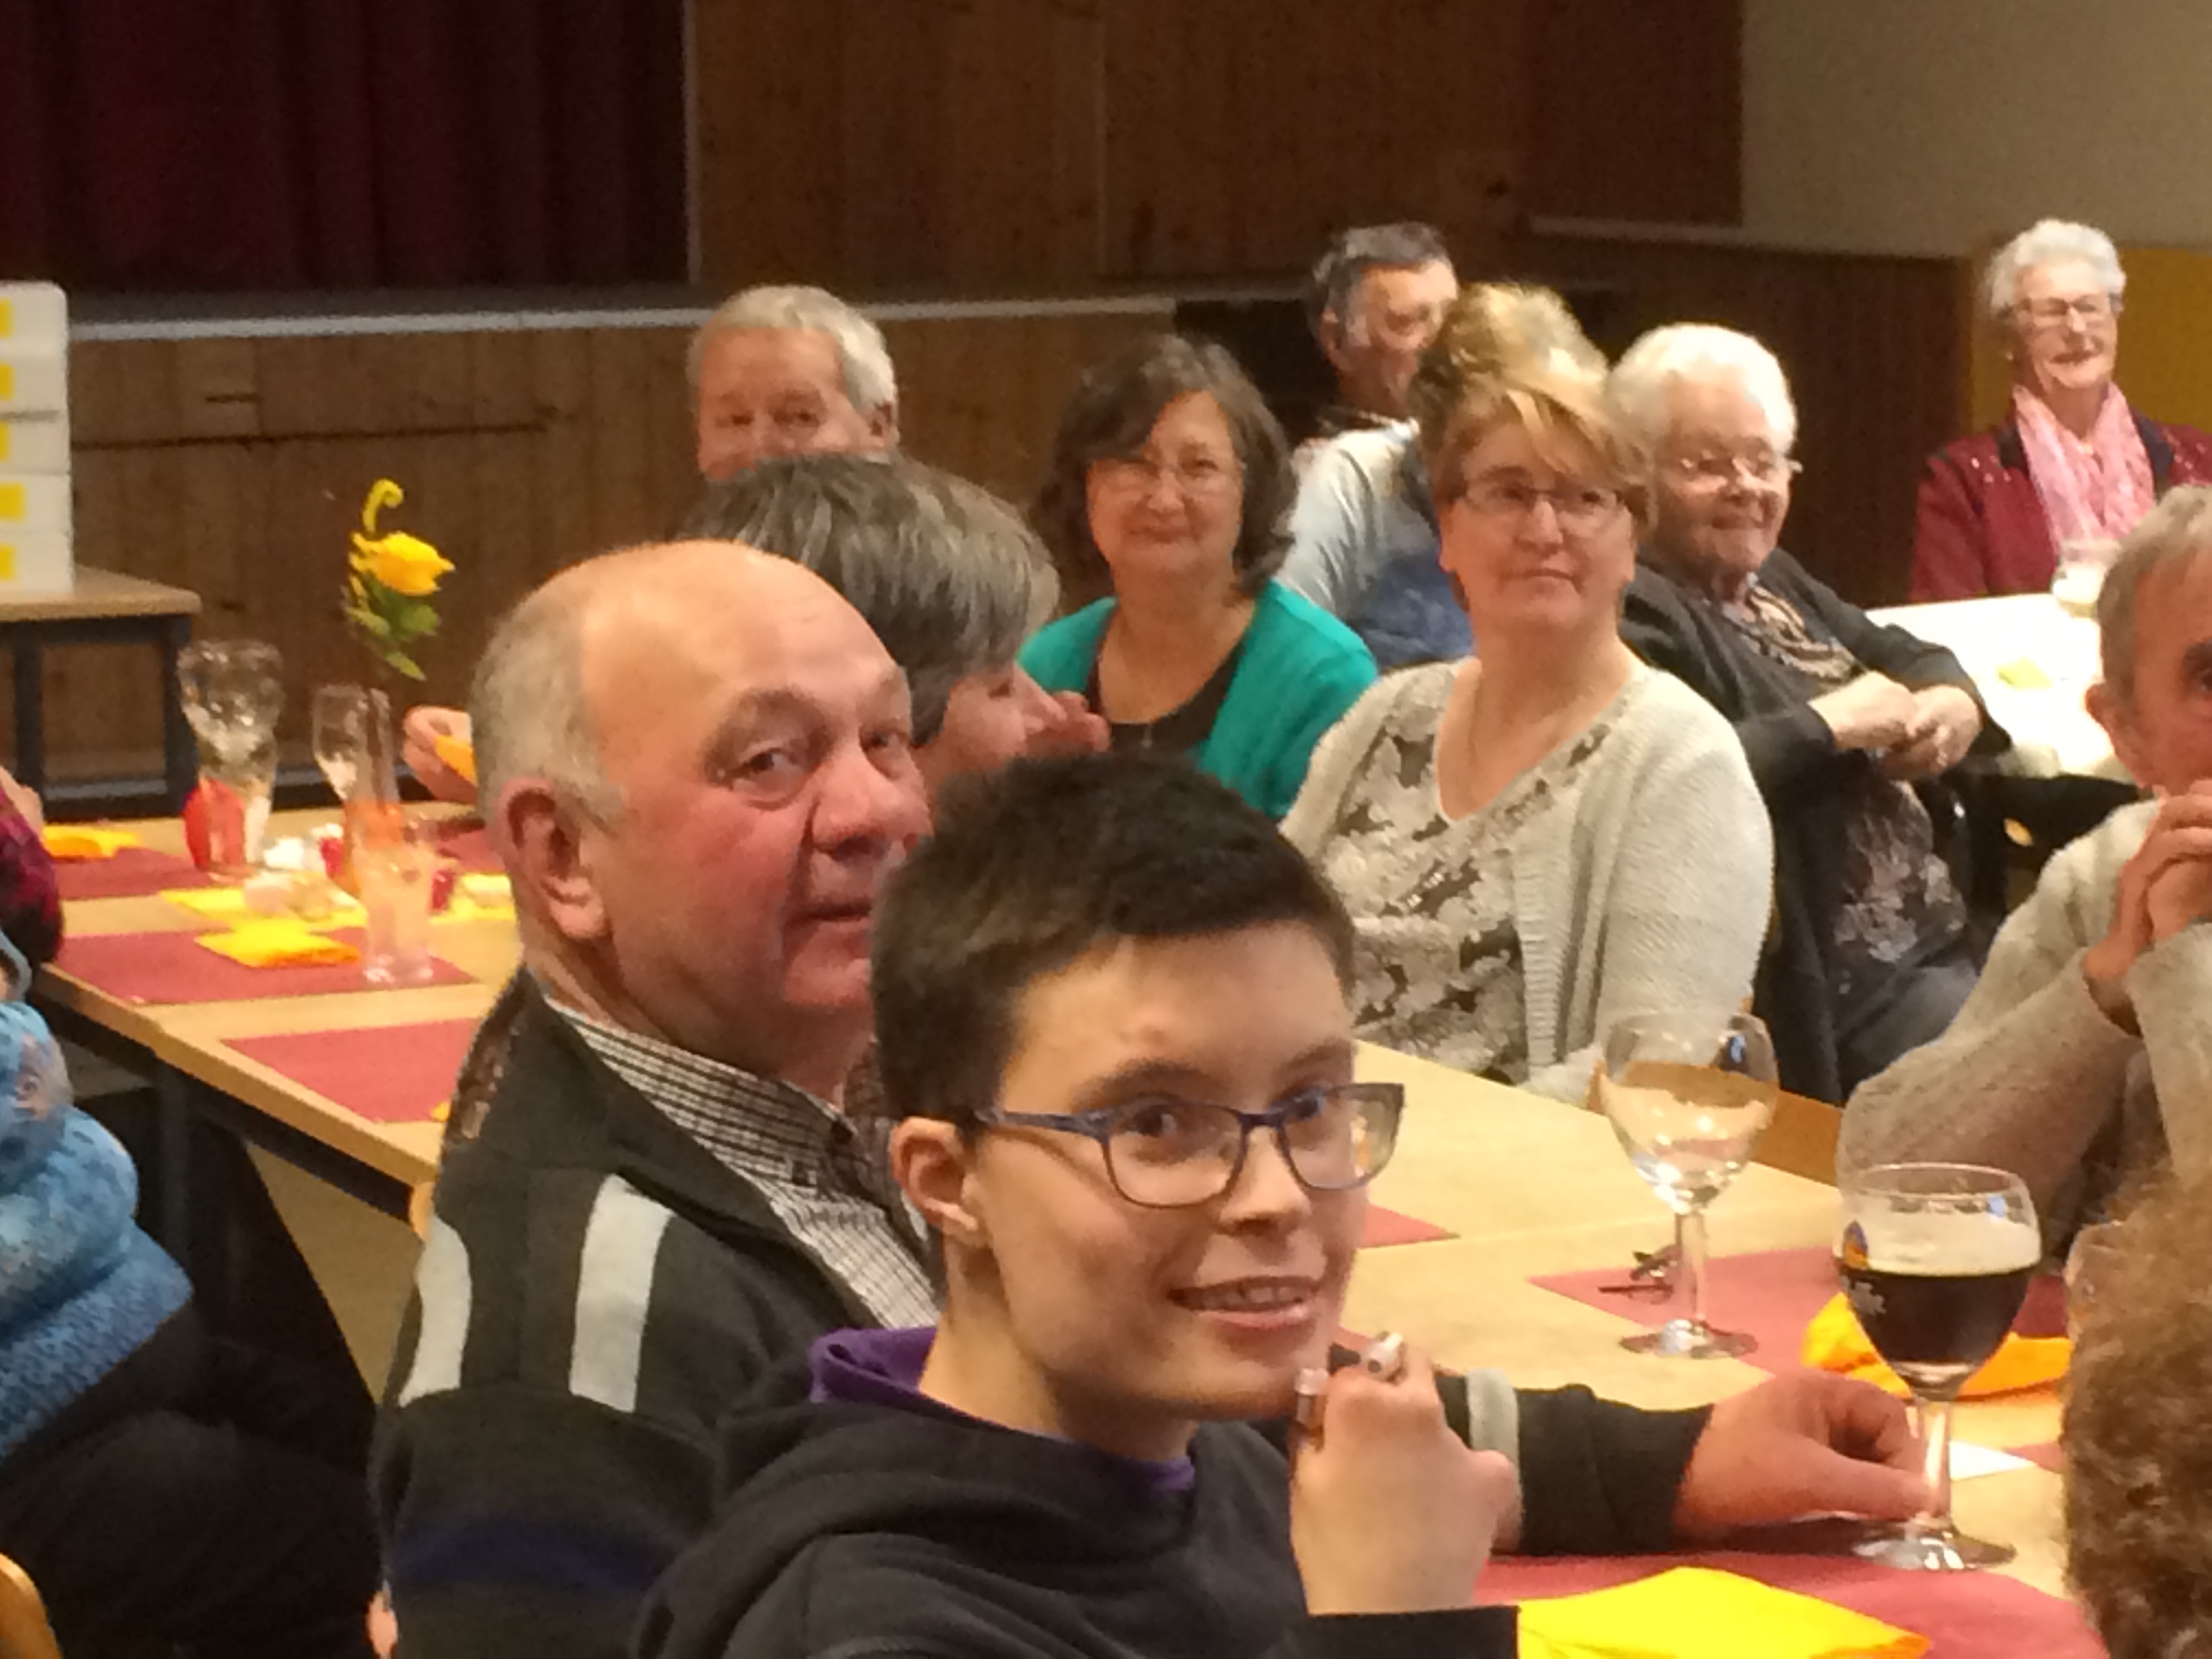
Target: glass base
[
  {"x": 1919, "y": 1547},
  {"x": 1681, "y": 1339}
]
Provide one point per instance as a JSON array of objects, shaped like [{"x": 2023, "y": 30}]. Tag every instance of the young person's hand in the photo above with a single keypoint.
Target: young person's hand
[
  {"x": 2164, "y": 888},
  {"x": 1391, "y": 1511},
  {"x": 419, "y": 733},
  {"x": 1807, "y": 1442},
  {"x": 1873, "y": 712}
]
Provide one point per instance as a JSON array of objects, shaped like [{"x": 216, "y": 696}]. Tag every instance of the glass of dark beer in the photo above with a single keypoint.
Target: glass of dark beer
[{"x": 1935, "y": 1259}]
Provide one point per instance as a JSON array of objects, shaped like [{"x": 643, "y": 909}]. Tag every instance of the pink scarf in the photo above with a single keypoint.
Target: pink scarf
[{"x": 2094, "y": 491}]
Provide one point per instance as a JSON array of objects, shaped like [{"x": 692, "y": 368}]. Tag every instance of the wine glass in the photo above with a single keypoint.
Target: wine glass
[
  {"x": 233, "y": 691},
  {"x": 1935, "y": 1259},
  {"x": 1688, "y": 1091},
  {"x": 341, "y": 733}
]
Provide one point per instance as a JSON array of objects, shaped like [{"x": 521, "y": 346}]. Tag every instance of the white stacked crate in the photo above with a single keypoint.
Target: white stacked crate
[{"x": 35, "y": 554}]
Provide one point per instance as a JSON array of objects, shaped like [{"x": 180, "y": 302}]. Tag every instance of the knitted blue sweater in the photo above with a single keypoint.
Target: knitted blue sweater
[{"x": 81, "y": 1286}]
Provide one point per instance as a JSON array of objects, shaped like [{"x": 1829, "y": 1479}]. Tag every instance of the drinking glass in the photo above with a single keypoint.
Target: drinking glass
[
  {"x": 1688, "y": 1091},
  {"x": 233, "y": 691},
  {"x": 1935, "y": 1259},
  {"x": 341, "y": 733},
  {"x": 393, "y": 879}
]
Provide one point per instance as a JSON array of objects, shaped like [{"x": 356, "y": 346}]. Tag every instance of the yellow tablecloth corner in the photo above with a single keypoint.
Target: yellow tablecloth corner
[{"x": 1699, "y": 1613}]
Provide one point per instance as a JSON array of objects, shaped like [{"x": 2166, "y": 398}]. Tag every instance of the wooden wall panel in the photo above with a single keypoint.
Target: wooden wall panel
[
  {"x": 522, "y": 452},
  {"x": 897, "y": 146},
  {"x": 1875, "y": 352}
]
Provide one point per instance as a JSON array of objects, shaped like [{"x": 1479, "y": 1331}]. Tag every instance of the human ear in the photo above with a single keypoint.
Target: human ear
[
  {"x": 2110, "y": 710},
  {"x": 1334, "y": 345},
  {"x": 933, "y": 1165},
  {"x": 540, "y": 840},
  {"x": 883, "y": 428}
]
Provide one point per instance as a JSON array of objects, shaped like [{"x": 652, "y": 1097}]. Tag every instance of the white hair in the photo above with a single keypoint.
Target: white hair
[
  {"x": 2052, "y": 242},
  {"x": 528, "y": 713},
  {"x": 1643, "y": 381},
  {"x": 870, "y": 385}
]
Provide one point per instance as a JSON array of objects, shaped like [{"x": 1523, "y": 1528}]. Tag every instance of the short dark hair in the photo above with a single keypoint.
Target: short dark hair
[
  {"x": 1109, "y": 418},
  {"x": 1354, "y": 252},
  {"x": 948, "y": 576},
  {"x": 1035, "y": 866}
]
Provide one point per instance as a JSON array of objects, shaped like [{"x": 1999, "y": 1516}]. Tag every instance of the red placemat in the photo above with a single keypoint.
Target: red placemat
[
  {"x": 387, "y": 1073},
  {"x": 1389, "y": 1227},
  {"x": 132, "y": 873},
  {"x": 468, "y": 843},
  {"x": 1960, "y": 1614},
  {"x": 171, "y": 967},
  {"x": 1773, "y": 1295}
]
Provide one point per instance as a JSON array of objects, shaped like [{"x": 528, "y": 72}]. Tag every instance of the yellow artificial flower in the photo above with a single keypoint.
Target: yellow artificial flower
[
  {"x": 382, "y": 494},
  {"x": 406, "y": 564}
]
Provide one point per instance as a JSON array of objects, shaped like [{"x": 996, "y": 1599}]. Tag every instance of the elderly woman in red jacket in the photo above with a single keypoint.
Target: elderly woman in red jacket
[{"x": 2074, "y": 460}]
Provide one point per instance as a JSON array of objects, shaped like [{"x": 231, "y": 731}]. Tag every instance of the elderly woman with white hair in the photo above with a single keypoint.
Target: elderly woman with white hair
[
  {"x": 2073, "y": 461},
  {"x": 1845, "y": 722}
]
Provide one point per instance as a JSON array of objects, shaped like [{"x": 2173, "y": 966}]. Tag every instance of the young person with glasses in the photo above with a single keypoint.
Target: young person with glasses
[
  {"x": 1536, "y": 840},
  {"x": 1113, "y": 1027}
]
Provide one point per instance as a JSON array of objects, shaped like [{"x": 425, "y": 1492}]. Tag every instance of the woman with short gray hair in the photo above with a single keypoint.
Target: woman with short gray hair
[{"x": 2073, "y": 462}]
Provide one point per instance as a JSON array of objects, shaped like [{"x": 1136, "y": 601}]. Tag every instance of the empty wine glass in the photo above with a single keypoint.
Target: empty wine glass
[
  {"x": 1688, "y": 1092},
  {"x": 1935, "y": 1259},
  {"x": 341, "y": 733},
  {"x": 233, "y": 691}
]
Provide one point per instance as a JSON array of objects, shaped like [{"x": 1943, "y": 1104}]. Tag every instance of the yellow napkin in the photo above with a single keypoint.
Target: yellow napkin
[
  {"x": 1834, "y": 1342},
  {"x": 72, "y": 842},
  {"x": 1697, "y": 1612},
  {"x": 2021, "y": 673},
  {"x": 278, "y": 942},
  {"x": 458, "y": 755}
]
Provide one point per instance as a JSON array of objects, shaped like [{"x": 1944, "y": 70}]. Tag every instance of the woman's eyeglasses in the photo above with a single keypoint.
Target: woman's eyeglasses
[
  {"x": 1166, "y": 1154},
  {"x": 1580, "y": 509},
  {"x": 1717, "y": 469},
  {"x": 1192, "y": 475}
]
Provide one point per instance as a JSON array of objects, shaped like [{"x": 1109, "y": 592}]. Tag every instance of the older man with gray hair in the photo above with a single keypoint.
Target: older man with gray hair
[
  {"x": 697, "y": 766},
  {"x": 775, "y": 371},
  {"x": 2083, "y": 1057}
]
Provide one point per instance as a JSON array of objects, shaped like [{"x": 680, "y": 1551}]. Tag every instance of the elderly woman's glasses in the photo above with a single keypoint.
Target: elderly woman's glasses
[
  {"x": 1579, "y": 507},
  {"x": 2090, "y": 311},
  {"x": 1192, "y": 475},
  {"x": 1717, "y": 469},
  {"x": 1166, "y": 1154}
]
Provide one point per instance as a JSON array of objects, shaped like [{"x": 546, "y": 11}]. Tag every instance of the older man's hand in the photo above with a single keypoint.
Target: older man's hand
[
  {"x": 2165, "y": 887},
  {"x": 1947, "y": 722},
  {"x": 418, "y": 746},
  {"x": 1807, "y": 1442}
]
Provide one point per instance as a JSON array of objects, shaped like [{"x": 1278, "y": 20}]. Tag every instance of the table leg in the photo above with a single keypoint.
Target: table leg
[
  {"x": 179, "y": 758},
  {"x": 30, "y": 711},
  {"x": 172, "y": 1227}
]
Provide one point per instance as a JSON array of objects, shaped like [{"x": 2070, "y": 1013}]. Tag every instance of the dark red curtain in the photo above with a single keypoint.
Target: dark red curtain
[{"x": 183, "y": 145}]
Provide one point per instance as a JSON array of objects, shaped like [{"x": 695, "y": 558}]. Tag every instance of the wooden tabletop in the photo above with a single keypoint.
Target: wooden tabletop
[
  {"x": 1532, "y": 1188},
  {"x": 99, "y": 594},
  {"x": 192, "y": 1037}
]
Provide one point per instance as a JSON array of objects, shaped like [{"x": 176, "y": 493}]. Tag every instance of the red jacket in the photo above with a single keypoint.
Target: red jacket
[{"x": 1980, "y": 529}]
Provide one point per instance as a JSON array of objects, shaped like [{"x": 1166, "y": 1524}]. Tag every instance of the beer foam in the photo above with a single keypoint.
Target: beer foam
[{"x": 1949, "y": 1243}]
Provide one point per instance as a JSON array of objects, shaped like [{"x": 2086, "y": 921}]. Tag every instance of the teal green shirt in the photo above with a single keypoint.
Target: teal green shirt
[{"x": 1299, "y": 669}]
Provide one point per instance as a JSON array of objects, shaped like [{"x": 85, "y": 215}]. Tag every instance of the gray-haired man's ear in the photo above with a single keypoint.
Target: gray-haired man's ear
[
  {"x": 540, "y": 840},
  {"x": 2110, "y": 710}
]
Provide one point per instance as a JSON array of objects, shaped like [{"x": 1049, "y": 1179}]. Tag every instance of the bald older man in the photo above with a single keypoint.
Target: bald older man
[{"x": 698, "y": 769}]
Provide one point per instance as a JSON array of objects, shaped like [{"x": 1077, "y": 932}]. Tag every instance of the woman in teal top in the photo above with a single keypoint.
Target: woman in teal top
[{"x": 1170, "y": 485}]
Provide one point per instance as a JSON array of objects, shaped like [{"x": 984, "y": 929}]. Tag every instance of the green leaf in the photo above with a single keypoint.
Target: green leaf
[{"x": 405, "y": 665}]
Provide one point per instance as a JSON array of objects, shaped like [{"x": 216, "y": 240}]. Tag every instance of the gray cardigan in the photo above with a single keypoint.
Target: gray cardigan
[
  {"x": 2033, "y": 1077},
  {"x": 1656, "y": 897}
]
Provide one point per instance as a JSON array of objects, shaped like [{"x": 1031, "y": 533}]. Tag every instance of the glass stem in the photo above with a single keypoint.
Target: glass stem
[
  {"x": 1690, "y": 1236},
  {"x": 1936, "y": 1438}
]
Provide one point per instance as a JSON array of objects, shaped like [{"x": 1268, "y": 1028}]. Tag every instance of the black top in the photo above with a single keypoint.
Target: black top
[
  {"x": 866, "y": 1529},
  {"x": 1180, "y": 731},
  {"x": 1807, "y": 783}
]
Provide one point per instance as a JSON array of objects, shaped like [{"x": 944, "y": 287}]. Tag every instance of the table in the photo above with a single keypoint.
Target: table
[
  {"x": 103, "y": 608},
  {"x": 1468, "y": 1158},
  {"x": 182, "y": 1048},
  {"x": 2052, "y": 734}
]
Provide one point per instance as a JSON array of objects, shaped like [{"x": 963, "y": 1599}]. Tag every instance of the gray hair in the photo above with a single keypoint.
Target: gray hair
[
  {"x": 2051, "y": 242},
  {"x": 528, "y": 712},
  {"x": 1644, "y": 379},
  {"x": 861, "y": 355},
  {"x": 947, "y": 575},
  {"x": 1339, "y": 272},
  {"x": 2173, "y": 533}
]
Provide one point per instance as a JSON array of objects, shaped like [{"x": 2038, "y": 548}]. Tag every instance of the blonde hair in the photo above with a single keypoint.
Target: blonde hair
[{"x": 1508, "y": 353}]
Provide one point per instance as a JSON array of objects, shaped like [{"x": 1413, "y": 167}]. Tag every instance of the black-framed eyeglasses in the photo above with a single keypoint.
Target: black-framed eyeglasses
[{"x": 1166, "y": 1154}]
